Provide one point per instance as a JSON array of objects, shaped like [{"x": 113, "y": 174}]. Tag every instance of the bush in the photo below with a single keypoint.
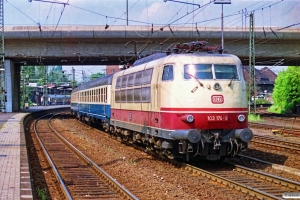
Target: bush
[
  {"x": 254, "y": 118},
  {"x": 262, "y": 101},
  {"x": 276, "y": 109}
]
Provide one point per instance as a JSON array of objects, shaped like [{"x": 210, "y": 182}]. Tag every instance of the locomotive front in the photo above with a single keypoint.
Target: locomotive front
[{"x": 205, "y": 105}]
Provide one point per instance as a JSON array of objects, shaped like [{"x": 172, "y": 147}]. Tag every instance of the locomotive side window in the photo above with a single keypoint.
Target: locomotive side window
[
  {"x": 130, "y": 95},
  {"x": 124, "y": 81},
  {"x": 138, "y": 78},
  {"x": 147, "y": 74},
  {"x": 168, "y": 73},
  {"x": 226, "y": 71},
  {"x": 199, "y": 71},
  {"x": 130, "y": 80},
  {"x": 123, "y": 95},
  {"x": 117, "y": 96},
  {"x": 137, "y": 94},
  {"x": 118, "y": 84},
  {"x": 146, "y": 94}
]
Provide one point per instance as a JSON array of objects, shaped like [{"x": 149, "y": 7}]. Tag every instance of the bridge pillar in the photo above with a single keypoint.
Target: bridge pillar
[{"x": 12, "y": 81}]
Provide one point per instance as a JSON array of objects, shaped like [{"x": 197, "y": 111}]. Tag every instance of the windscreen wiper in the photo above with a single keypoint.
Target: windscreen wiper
[
  {"x": 232, "y": 79},
  {"x": 195, "y": 79}
]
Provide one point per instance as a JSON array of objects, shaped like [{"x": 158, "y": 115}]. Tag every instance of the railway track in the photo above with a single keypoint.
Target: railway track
[
  {"x": 251, "y": 182},
  {"x": 78, "y": 176},
  {"x": 276, "y": 142},
  {"x": 255, "y": 183},
  {"x": 277, "y": 128}
]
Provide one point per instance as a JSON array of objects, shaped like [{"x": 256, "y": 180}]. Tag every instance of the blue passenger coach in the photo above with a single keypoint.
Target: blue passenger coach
[{"x": 91, "y": 100}]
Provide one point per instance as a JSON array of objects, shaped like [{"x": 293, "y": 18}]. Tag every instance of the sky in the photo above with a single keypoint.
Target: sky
[
  {"x": 275, "y": 13},
  {"x": 268, "y": 13}
]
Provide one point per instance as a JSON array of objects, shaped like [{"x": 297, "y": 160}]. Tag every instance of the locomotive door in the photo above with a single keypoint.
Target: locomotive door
[{"x": 157, "y": 96}]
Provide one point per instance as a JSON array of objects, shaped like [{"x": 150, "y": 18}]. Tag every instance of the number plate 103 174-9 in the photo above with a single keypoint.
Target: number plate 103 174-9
[{"x": 217, "y": 118}]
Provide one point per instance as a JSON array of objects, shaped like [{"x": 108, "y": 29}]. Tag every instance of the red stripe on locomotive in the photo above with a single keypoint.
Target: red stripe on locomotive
[{"x": 224, "y": 119}]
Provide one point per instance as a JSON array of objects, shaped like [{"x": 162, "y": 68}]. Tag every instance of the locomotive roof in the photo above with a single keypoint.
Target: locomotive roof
[
  {"x": 106, "y": 80},
  {"x": 157, "y": 56}
]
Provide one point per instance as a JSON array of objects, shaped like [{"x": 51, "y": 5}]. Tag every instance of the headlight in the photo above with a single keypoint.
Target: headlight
[
  {"x": 190, "y": 118},
  {"x": 187, "y": 118},
  {"x": 241, "y": 118}
]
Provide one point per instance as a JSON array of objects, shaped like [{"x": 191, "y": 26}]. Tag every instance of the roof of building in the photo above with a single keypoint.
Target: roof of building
[{"x": 263, "y": 76}]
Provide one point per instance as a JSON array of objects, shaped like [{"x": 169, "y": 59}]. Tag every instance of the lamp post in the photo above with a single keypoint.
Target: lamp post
[{"x": 222, "y": 20}]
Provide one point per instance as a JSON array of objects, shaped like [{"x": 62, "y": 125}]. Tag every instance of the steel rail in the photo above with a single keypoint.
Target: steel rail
[
  {"x": 288, "y": 145},
  {"x": 109, "y": 180},
  {"x": 230, "y": 183},
  {"x": 277, "y": 140},
  {"x": 269, "y": 177},
  {"x": 55, "y": 171}
]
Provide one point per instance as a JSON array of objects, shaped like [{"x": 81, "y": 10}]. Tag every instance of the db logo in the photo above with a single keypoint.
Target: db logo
[{"x": 217, "y": 99}]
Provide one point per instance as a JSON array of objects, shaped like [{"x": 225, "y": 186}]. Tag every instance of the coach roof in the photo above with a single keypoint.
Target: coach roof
[{"x": 106, "y": 80}]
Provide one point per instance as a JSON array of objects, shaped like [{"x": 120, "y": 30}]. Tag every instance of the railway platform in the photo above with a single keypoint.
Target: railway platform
[
  {"x": 14, "y": 169},
  {"x": 15, "y": 176}
]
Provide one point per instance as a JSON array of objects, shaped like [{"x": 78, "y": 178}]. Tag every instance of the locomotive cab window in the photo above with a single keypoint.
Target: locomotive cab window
[
  {"x": 199, "y": 71},
  {"x": 168, "y": 73},
  {"x": 223, "y": 71}
]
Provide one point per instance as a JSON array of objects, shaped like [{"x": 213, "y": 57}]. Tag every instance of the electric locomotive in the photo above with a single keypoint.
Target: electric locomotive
[{"x": 181, "y": 105}]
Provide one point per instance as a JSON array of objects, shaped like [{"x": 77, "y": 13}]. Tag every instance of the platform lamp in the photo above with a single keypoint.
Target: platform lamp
[{"x": 222, "y": 20}]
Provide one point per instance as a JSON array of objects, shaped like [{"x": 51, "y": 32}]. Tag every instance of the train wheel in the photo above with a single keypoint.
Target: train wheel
[{"x": 169, "y": 155}]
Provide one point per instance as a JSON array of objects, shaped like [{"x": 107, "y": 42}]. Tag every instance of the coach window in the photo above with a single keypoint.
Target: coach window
[
  {"x": 94, "y": 95},
  {"x": 105, "y": 94},
  {"x": 99, "y": 95},
  {"x": 168, "y": 74}
]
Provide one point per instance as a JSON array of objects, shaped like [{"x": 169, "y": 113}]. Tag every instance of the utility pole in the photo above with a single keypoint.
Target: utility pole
[
  {"x": 73, "y": 81},
  {"x": 127, "y": 11},
  {"x": 45, "y": 87},
  {"x": 252, "y": 89},
  {"x": 2, "y": 67},
  {"x": 222, "y": 20}
]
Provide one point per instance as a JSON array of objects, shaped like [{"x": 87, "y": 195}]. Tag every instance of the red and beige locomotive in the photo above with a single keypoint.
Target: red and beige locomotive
[{"x": 181, "y": 105}]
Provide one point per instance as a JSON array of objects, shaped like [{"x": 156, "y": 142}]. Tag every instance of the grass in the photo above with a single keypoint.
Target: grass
[
  {"x": 42, "y": 193},
  {"x": 254, "y": 118},
  {"x": 276, "y": 109}
]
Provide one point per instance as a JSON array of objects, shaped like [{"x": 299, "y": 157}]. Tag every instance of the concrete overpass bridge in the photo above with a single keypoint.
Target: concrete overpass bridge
[{"x": 95, "y": 45}]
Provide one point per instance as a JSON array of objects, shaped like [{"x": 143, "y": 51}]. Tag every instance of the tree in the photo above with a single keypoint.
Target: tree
[
  {"x": 286, "y": 94},
  {"x": 97, "y": 75}
]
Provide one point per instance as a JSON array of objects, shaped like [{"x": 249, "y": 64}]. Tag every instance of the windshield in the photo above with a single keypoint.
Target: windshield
[
  {"x": 200, "y": 71},
  {"x": 210, "y": 71},
  {"x": 225, "y": 72}
]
